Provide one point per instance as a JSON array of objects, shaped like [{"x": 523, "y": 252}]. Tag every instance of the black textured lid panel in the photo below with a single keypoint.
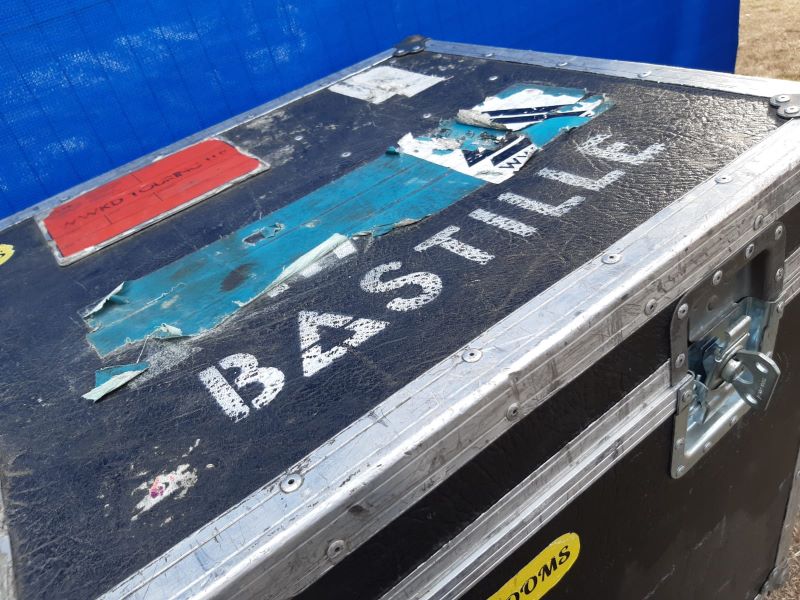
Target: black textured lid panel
[{"x": 95, "y": 490}]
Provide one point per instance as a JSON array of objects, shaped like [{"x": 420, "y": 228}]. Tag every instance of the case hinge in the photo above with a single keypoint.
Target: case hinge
[{"x": 723, "y": 333}]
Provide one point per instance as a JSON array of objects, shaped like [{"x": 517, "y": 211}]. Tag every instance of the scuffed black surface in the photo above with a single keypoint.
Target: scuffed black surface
[
  {"x": 711, "y": 535},
  {"x": 71, "y": 469}
]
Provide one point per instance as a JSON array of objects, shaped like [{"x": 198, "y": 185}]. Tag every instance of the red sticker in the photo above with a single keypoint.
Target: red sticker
[{"x": 120, "y": 207}]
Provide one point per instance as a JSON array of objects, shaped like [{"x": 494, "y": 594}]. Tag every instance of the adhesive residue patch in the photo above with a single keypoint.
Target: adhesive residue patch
[{"x": 177, "y": 483}]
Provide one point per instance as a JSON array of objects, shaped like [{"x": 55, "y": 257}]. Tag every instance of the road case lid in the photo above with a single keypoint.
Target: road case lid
[{"x": 267, "y": 341}]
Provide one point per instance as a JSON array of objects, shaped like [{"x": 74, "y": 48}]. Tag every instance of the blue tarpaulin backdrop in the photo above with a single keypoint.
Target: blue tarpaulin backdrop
[{"x": 87, "y": 85}]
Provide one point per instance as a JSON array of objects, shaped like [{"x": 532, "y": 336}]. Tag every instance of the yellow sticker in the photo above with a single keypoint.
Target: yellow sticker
[
  {"x": 6, "y": 252},
  {"x": 542, "y": 574}
]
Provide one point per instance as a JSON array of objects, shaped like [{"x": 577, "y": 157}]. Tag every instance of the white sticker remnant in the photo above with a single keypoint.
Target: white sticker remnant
[
  {"x": 177, "y": 482},
  {"x": 524, "y": 107},
  {"x": 381, "y": 83},
  {"x": 314, "y": 357}
]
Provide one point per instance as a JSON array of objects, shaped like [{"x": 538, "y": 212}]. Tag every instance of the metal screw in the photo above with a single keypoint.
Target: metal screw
[
  {"x": 724, "y": 179},
  {"x": 792, "y": 110},
  {"x": 493, "y": 78},
  {"x": 291, "y": 482},
  {"x": 688, "y": 396},
  {"x": 717, "y": 278},
  {"x": 346, "y": 154},
  {"x": 679, "y": 362},
  {"x": 612, "y": 259},
  {"x": 781, "y": 307},
  {"x": 681, "y": 470},
  {"x": 472, "y": 355},
  {"x": 758, "y": 222},
  {"x": 513, "y": 412},
  {"x": 298, "y": 137},
  {"x": 778, "y": 232},
  {"x": 335, "y": 550},
  {"x": 683, "y": 310},
  {"x": 706, "y": 446},
  {"x": 748, "y": 253},
  {"x": 679, "y": 443},
  {"x": 650, "y": 307}
]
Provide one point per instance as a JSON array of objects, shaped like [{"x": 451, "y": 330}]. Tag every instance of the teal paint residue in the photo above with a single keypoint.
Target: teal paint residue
[{"x": 198, "y": 291}]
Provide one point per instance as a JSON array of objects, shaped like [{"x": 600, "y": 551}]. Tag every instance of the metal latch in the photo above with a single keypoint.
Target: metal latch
[{"x": 723, "y": 333}]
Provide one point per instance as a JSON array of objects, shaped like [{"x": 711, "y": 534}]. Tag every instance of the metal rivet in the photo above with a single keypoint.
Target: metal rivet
[
  {"x": 679, "y": 443},
  {"x": 643, "y": 74},
  {"x": 781, "y": 307},
  {"x": 346, "y": 154},
  {"x": 749, "y": 251},
  {"x": 472, "y": 355},
  {"x": 717, "y": 278},
  {"x": 400, "y": 52},
  {"x": 612, "y": 259},
  {"x": 650, "y": 307},
  {"x": 782, "y": 98},
  {"x": 792, "y": 110},
  {"x": 688, "y": 396},
  {"x": 779, "y": 274},
  {"x": 513, "y": 412},
  {"x": 416, "y": 48},
  {"x": 706, "y": 446},
  {"x": 732, "y": 421},
  {"x": 298, "y": 137},
  {"x": 291, "y": 482},
  {"x": 723, "y": 179},
  {"x": 562, "y": 64},
  {"x": 683, "y": 310},
  {"x": 426, "y": 116},
  {"x": 489, "y": 54},
  {"x": 493, "y": 78},
  {"x": 681, "y": 469},
  {"x": 335, "y": 550},
  {"x": 680, "y": 361},
  {"x": 778, "y": 232},
  {"x": 758, "y": 222}
]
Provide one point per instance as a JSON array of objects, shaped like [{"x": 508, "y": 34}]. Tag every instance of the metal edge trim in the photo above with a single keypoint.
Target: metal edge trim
[
  {"x": 40, "y": 208},
  {"x": 523, "y": 511},
  {"x": 711, "y": 80},
  {"x": 391, "y": 457},
  {"x": 7, "y": 585},
  {"x": 528, "y": 507}
]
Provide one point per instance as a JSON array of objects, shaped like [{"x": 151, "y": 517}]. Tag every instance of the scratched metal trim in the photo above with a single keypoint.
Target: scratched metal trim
[
  {"x": 466, "y": 559},
  {"x": 8, "y": 589},
  {"x": 526, "y": 509},
  {"x": 709, "y": 80},
  {"x": 43, "y": 207},
  {"x": 273, "y": 544}
]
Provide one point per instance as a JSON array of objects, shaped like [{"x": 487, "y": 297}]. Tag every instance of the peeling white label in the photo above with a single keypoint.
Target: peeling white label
[
  {"x": 314, "y": 357},
  {"x": 495, "y": 166},
  {"x": 177, "y": 482},
  {"x": 529, "y": 103},
  {"x": 381, "y": 83},
  {"x": 430, "y": 283}
]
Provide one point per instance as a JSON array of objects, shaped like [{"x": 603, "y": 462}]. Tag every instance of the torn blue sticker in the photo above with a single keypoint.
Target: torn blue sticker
[
  {"x": 418, "y": 178},
  {"x": 108, "y": 379}
]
